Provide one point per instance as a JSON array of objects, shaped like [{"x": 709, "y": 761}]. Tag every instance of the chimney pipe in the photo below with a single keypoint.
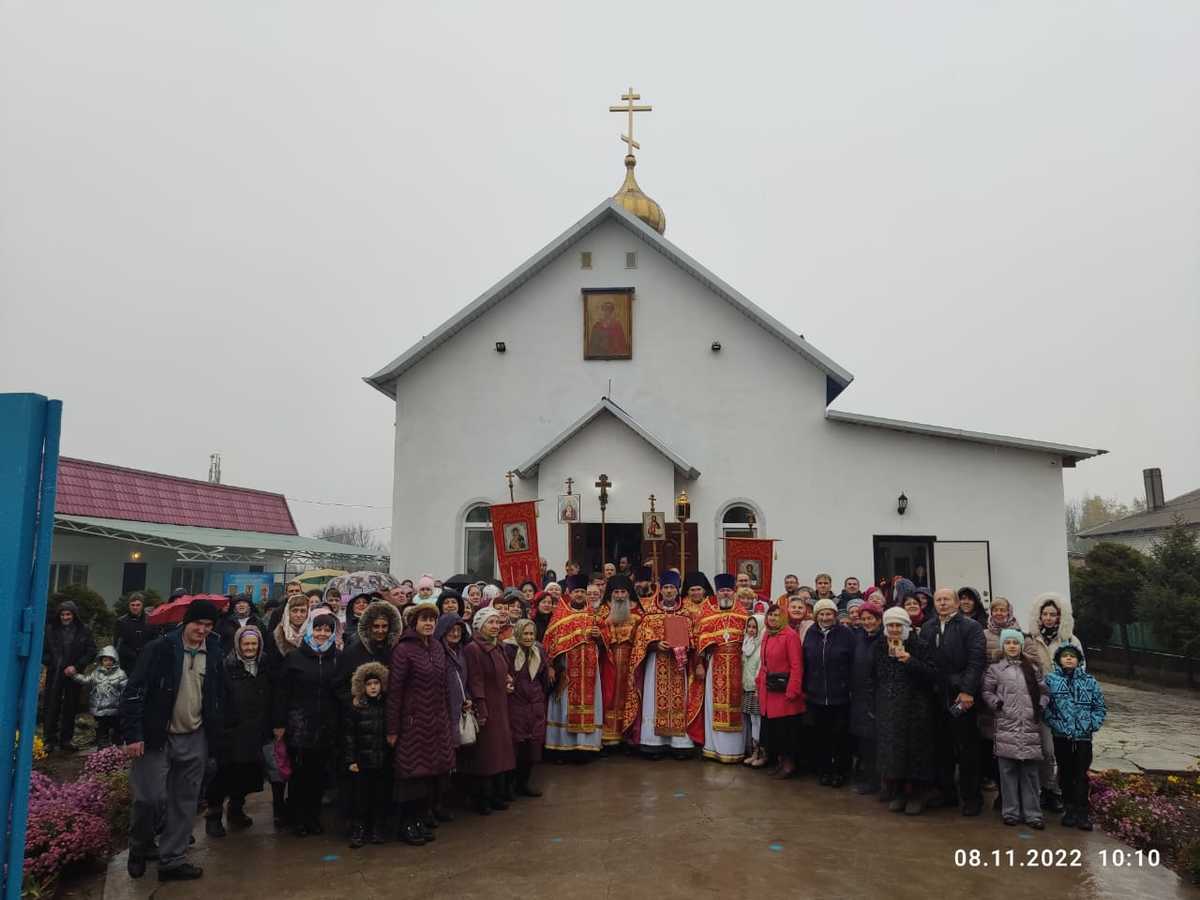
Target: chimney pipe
[{"x": 1154, "y": 489}]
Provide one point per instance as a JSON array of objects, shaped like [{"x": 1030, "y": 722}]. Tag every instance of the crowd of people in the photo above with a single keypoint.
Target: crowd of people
[{"x": 404, "y": 705}]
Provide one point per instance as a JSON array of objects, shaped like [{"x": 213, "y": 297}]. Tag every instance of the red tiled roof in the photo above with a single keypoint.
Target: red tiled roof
[{"x": 113, "y": 492}]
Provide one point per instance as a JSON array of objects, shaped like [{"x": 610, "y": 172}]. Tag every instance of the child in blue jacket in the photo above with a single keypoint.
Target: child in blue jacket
[{"x": 1076, "y": 712}]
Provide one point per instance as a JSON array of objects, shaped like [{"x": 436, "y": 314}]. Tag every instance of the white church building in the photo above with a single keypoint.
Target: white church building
[{"x": 843, "y": 493}]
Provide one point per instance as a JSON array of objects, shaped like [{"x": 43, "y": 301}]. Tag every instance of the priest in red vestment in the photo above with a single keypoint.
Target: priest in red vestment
[
  {"x": 715, "y": 695},
  {"x": 618, "y": 628},
  {"x": 575, "y": 712}
]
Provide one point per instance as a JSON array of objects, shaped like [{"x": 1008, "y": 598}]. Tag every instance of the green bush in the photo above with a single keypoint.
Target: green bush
[{"x": 92, "y": 609}]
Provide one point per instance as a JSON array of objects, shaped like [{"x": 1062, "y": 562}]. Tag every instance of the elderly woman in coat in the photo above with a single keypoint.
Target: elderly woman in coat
[
  {"x": 1016, "y": 692},
  {"x": 862, "y": 712},
  {"x": 418, "y": 723},
  {"x": 527, "y": 703},
  {"x": 489, "y": 683},
  {"x": 239, "y": 755},
  {"x": 900, "y": 683}
]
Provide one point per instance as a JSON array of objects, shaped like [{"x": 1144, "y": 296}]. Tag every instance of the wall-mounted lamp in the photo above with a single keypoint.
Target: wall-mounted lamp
[
  {"x": 901, "y": 503},
  {"x": 135, "y": 555},
  {"x": 500, "y": 348},
  {"x": 716, "y": 346}
]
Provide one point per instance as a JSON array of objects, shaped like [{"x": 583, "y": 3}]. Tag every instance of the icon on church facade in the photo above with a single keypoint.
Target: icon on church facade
[
  {"x": 608, "y": 324},
  {"x": 568, "y": 508}
]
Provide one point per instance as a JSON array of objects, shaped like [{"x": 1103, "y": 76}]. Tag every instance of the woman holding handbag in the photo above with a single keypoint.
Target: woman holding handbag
[
  {"x": 489, "y": 683},
  {"x": 780, "y": 692},
  {"x": 418, "y": 723}
]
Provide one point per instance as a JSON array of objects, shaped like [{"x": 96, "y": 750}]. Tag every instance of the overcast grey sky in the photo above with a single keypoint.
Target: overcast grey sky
[{"x": 217, "y": 217}]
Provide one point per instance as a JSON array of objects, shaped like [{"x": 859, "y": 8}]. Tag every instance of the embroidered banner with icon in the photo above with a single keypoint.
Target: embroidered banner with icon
[
  {"x": 751, "y": 556},
  {"x": 514, "y": 529}
]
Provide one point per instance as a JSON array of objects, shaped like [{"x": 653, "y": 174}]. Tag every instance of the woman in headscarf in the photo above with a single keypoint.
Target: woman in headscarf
[
  {"x": 900, "y": 688},
  {"x": 239, "y": 754},
  {"x": 488, "y": 685},
  {"x": 756, "y": 626},
  {"x": 354, "y": 611},
  {"x": 281, "y": 641},
  {"x": 528, "y": 590},
  {"x": 780, "y": 688},
  {"x": 305, "y": 716},
  {"x": 527, "y": 702},
  {"x": 901, "y": 588},
  {"x": 1050, "y": 626},
  {"x": 418, "y": 722},
  {"x": 912, "y": 606}
]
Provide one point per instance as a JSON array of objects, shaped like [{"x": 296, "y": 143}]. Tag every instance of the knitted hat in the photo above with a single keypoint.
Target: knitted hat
[
  {"x": 896, "y": 614},
  {"x": 201, "y": 609},
  {"x": 870, "y": 592},
  {"x": 1012, "y": 634},
  {"x": 871, "y": 607},
  {"x": 823, "y": 604},
  {"x": 425, "y": 581},
  {"x": 482, "y": 615}
]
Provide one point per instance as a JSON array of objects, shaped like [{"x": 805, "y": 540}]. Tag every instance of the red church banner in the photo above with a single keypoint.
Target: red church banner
[
  {"x": 752, "y": 556},
  {"x": 514, "y": 529}
]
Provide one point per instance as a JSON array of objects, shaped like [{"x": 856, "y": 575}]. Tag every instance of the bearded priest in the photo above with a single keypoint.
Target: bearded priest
[
  {"x": 575, "y": 712},
  {"x": 618, "y": 628},
  {"x": 657, "y": 681},
  {"x": 715, "y": 694}
]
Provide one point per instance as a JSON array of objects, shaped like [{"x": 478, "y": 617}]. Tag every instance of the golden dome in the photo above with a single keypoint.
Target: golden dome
[{"x": 631, "y": 197}]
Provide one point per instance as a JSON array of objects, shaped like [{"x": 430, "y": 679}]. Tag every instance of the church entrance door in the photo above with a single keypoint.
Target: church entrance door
[{"x": 623, "y": 540}]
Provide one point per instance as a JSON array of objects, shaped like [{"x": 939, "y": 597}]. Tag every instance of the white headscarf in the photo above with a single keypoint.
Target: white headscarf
[{"x": 534, "y": 656}]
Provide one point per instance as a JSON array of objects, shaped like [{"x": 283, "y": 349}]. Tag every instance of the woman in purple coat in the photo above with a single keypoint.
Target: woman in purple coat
[
  {"x": 488, "y": 685},
  {"x": 418, "y": 723},
  {"x": 527, "y": 702}
]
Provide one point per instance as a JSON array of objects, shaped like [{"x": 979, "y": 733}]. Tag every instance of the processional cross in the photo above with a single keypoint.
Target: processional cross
[{"x": 630, "y": 109}]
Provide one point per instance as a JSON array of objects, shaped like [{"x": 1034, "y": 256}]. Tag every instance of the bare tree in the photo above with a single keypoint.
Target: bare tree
[{"x": 354, "y": 534}]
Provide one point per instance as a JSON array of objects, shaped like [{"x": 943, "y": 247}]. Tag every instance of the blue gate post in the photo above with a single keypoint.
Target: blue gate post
[{"x": 29, "y": 430}]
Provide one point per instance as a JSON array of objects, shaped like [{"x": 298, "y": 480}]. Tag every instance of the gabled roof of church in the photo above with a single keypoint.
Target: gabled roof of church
[
  {"x": 530, "y": 466},
  {"x": 836, "y": 378}
]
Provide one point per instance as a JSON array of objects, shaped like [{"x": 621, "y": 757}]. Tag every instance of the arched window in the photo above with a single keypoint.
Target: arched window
[
  {"x": 479, "y": 549},
  {"x": 739, "y": 521}
]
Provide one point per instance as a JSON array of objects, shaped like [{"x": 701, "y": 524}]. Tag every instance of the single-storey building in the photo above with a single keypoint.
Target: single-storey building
[{"x": 119, "y": 530}]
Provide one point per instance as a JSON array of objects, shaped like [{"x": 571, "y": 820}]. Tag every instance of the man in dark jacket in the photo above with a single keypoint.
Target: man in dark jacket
[
  {"x": 68, "y": 648},
  {"x": 172, "y": 711},
  {"x": 960, "y": 656},
  {"x": 133, "y": 632}
]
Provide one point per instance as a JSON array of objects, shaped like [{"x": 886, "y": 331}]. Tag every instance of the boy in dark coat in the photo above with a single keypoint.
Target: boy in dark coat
[{"x": 367, "y": 755}]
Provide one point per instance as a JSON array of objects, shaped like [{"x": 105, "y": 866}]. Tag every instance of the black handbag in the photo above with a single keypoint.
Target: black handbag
[{"x": 777, "y": 682}]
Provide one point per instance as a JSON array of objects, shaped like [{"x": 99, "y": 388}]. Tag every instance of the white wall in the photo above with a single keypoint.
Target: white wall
[{"x": 751, "y": 418}]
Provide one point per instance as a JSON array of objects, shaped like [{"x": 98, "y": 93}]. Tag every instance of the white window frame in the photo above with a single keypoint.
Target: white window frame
[
  {"x": 723, "y": 529},
  {"x": 476, "y": 527}
]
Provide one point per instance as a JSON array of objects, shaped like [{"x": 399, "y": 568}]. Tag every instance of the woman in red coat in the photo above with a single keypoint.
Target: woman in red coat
[
  {"x": 780, "y": 693},
  {"x": 489, "y": 683}
]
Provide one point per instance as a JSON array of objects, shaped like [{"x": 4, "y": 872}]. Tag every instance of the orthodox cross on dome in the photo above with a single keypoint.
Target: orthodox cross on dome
[{"x": 630, "y": 108}]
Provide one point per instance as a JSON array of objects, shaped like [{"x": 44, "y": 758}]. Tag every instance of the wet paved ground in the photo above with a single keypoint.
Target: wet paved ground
[
  {"x": 630, "y": 828},
  {"x": 1148, "y": 728}
]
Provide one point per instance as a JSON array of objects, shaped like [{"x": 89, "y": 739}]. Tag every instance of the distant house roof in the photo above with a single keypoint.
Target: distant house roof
[
  {"x": 105, "y": 491},
  {"x": 836, "y": 378},
  {"x": 191, "y": 543},
  {"x": 530, "y": 466},
  {"x": 1185, "y": 507},
  {"x": 1069, "y": 453}
]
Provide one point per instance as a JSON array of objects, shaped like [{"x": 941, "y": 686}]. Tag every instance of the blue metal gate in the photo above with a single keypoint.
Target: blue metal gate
[{"x": 29, "y": 429}]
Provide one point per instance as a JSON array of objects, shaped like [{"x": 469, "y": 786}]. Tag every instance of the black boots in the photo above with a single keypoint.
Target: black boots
[
  {"x": 521, "y": 777},
  {"x": 212, "y": 825},
  {"x": 358, "y": 837}
]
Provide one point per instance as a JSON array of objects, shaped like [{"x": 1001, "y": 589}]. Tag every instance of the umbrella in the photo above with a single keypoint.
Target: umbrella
[
  {"x": 172, "y": 613},
  {"x": 318, "y": 578},
  {"x": 460, "y": 581},
  {"x": 362, "y": 583}
]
